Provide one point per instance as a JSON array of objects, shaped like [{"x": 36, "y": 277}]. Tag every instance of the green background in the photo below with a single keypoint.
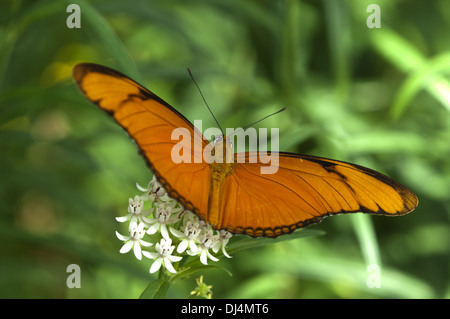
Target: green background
[{"x": 376, "y": 97}]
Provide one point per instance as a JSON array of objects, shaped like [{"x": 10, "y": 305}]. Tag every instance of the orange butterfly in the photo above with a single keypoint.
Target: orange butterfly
[{"x": 233, "y": 195}]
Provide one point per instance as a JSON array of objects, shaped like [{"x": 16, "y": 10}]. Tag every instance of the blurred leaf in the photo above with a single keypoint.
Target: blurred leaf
[
  {"x": 363, "y": 227},
  {"x": 396, "y": 49},
  {"x": 106, "y": 35},
  {"x": 429, "y": 76},
  {"x": 385, "y": 141},
  {"x": 425, "y": 73},
  {"x": 245, "y": 242},
  {"x": 345, "y": 273}
]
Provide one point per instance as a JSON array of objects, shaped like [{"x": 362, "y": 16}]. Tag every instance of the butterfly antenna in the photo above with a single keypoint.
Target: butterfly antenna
[
  {"x": 204, "y": 100},
  {"x": 279, "y": 111}
]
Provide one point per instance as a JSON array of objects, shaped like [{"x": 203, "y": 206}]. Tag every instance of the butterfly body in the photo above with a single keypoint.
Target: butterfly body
[
  {"x": 230, "y": 191},
  {"x": 221, "y": 167}
]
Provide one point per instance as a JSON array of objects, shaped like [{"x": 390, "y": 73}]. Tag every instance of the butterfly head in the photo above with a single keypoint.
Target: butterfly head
[{"x": 222, "y": 149}]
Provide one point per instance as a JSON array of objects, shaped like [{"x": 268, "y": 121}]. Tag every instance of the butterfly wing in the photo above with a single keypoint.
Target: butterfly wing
[
  {"x": 150, "y": 122},
  {"x": 303, "y": 191}
]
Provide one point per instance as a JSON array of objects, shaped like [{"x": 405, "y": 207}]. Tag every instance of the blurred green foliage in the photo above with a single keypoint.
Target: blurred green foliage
[{"x": 376, "y": 97}]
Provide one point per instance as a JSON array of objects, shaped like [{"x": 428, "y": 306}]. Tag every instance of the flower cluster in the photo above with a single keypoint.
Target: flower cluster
[{"x": 169, "y": 226}]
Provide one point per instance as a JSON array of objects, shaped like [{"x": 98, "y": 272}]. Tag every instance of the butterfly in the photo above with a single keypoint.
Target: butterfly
[{"x": 233, "y": 194}]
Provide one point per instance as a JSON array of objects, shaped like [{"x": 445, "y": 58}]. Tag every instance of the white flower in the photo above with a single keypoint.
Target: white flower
[
  {"x": 163, "y": 217},
  {"x": 224, "y": 237},
  {"x": 189, "y": 236},
  {"x": 163, "y": 255},
  {"x": 207, "y": 240},
  {"x": 134, "y": 240},
  {"x": 195, "y": 236},
  {"x": 153, "y": 191},
  {"x": 135, "y": 211}
]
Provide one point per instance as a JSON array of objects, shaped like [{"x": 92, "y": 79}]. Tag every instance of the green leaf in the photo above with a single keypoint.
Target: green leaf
[
  {"x": 193, "y": 268},
  {"x": 157, "y": 289}
]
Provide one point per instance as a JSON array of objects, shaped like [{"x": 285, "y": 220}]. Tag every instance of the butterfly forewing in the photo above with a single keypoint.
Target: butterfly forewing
[{"x": 150, "y": 122}]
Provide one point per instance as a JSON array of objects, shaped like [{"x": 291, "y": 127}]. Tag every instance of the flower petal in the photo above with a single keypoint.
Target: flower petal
[
  {"x": 203, "y": 257},
  {"x": 156, "y": 265},
  {"x": 176, "y": 233},
  {"x": 193, "y": 246},
  {"x": 175, "y": 258},
  {"x": 145, "y": 243},
  {"x": 169, "y": 266},
  {"x": 142, "y": 189},
  {"x": 164, "y": 231},
  {"x": 123, "y": 219},
  {"x": 216, "y": 246},
  {"x": 225, "y": 253},
  {"x": 122, "y": 237},
  {"x": 149, "y": 254},
  {"x": 212, "y": 257},
  {"x": 126, "y": 247},
  {"x": 137, "y": 250},
  {"x": 193, "y": 253},
  {"x": 182, "y": 246},
  {"x": 153, "y": 228}
]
